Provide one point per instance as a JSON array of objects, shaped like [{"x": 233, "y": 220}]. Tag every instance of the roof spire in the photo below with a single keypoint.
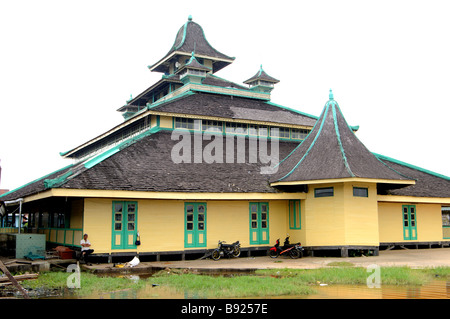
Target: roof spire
[
  {"x": 190, "y": 18},
  {"x": 331, "y": 95}
]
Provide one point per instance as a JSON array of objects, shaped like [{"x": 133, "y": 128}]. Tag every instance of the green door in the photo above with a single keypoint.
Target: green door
[
  {"x": 124, "y": 225},
  {"x": 409, "y": 222},
  {"x": 194, "y": 225},
  {"x": 259, "y": 223}
]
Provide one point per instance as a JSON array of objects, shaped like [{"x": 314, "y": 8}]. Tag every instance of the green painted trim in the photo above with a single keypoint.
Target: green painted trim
[
  {"x": 382, "y": 157},
  {"x": 258, "y": 229},
  {"x": 108, "y": 153},
  {"x": 64, "y": 243},
  {"x": 341, "y": 147},
  {"x": 124, "y": 232},
  {"x": 55, "y": 182},
  {"x": 195, "y": 232},
  {"x": 409, "y": 227},
  {"x": 311, "y": 146},
  {"x": 293, "y": 110},
  {"x": 43, "y": 177},
  {"x": 235, "y": 92},
  {"x": 294, "y": 215},
  {"x": 446, "y": 227},
  {"x": 162, "y": 101},
  {"x": 94, "y": 161}
]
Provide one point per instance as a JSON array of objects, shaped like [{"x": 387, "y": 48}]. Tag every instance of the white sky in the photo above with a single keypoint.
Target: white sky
[{"x": 67, "y": 66}]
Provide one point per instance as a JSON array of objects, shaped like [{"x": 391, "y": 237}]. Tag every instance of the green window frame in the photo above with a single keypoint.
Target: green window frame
[
  {"x": 124, "y": 224},
  {"x": 212, "y": 126},
  {"x": 259, "y": 223},
  {"x": 324, "y": 192},
  {"x": 360, "y": 192},
  {"x": 295, "y": 221},
  {"x": 186, "y": 123},
  {"x": 445, "y": 222},
  {"x": 236, "y": 128},
  {"x": 409, "y": 218},
  {"x": 195, "y": 219},
  {"x": 298, "y": 134}
]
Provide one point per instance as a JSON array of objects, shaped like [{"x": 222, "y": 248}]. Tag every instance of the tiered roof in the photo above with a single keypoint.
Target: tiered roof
[{"x": 191, "y": 38}]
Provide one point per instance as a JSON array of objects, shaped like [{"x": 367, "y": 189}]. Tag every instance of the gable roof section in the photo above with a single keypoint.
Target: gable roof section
[{"x": 332, "y": 151}]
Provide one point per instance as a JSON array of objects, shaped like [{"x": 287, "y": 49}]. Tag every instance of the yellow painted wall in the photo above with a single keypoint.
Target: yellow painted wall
[
  {"x": 161, "y": 224},
  {"x": 341, "y": 219},
  {"x": 361, "y": 215},
  {"x": 428, "y": 218},
  {"x": 166, "y": 121},
  {"x": 324, "y": 223}
]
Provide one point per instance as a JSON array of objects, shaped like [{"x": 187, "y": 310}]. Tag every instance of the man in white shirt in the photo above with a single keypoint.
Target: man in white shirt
[{"x": 86, "y": 249}]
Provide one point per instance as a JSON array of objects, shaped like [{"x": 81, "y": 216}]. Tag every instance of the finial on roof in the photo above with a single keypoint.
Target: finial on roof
[
  {"x": 331, "y": 95},
  {"x": 190, "y": 18}
]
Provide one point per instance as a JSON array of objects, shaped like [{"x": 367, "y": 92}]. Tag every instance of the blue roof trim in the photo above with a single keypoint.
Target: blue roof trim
[
  {"x": 390, "y": 159},
  {"x": 36, "y": 180},
  {"x": 312, "y": 144},
  {"x": 299, "y": 143},
  {"x": 293, "y": 110},
  {"x": 336, "y": 128}
]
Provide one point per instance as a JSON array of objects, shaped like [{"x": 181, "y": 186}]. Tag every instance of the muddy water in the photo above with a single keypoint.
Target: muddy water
[{"x": 437, "y": 289}]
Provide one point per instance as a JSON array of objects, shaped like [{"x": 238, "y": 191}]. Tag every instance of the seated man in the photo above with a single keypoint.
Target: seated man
[{"x": 86, "y": 249}]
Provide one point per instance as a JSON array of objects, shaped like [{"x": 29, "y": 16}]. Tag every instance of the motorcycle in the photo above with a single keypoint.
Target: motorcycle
[
  {"x": 226, "y": 250},
  {"x": 293, "y": 250}
]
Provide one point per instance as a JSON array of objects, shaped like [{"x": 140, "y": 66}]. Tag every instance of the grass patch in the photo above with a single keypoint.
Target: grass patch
[
  {"x": 235, "y": 286},
  {"x": 89, "y": 283},
  {"x": 265, "y": 283}
]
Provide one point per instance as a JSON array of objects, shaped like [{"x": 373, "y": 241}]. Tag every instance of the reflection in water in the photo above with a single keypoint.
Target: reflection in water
[{"x": 438, "y": 289}]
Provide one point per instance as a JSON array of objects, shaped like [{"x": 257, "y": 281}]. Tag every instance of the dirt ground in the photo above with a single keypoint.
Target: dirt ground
[{"x": 414, "y": 258}]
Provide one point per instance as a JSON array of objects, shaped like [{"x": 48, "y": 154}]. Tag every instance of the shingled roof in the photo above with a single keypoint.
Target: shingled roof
[
  {"x": 332, "y": 151},
  {"x": 191, "y": 38},
  {"x": 234, "y": 107},
  {"x": 146, "y": 164},
  {"x": 261, "y": 75}
]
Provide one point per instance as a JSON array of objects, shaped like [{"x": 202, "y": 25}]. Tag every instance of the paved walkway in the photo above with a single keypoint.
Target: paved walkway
[{"x": 414, "y": 258}]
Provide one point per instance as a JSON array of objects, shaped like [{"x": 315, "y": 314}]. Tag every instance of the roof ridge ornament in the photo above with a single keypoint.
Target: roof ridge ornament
[
  {"x": 331, "y": 95},
  {"x": 190, "y": 18}
]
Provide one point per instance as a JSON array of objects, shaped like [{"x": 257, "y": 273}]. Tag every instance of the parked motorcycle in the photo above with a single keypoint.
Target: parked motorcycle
[
  {"x": 292, "y": 250},
  {"x": 226, "y": 250}
]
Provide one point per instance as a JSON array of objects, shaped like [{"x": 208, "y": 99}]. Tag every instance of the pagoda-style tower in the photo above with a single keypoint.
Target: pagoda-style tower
[
  {"x": 191, "y": 38},
  {"x": 261, "y": 82},
  {"x": 193, "y": 71},
  {"x": 180, "y": 67}
]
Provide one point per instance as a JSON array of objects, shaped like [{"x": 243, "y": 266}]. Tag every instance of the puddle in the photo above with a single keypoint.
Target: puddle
[{"x": 437, "y": 289}]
